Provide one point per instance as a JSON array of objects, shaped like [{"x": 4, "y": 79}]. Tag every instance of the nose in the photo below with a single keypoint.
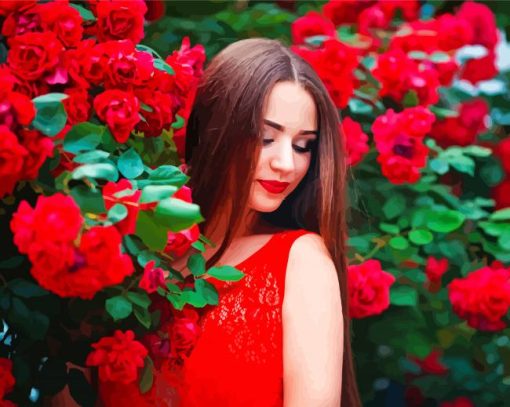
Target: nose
[{"x": 282, "y": 159}]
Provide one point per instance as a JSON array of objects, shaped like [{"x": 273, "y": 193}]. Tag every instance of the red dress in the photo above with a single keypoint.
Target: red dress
[{"x": 238, "y": 359}]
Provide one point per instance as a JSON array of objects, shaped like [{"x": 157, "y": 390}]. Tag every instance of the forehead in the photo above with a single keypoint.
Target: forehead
[{"x": 292, "y": 106}]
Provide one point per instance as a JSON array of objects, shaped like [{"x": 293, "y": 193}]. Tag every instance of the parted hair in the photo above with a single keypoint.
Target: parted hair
[{"x": 222, "y": 148}]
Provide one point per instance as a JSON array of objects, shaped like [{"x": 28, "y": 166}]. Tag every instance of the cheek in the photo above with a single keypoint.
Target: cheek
[{"x": 302, "y": 166}]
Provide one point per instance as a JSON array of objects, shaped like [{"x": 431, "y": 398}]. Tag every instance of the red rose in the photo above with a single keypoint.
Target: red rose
[
  {"x": 356, "y": 140},
  {"x": 184, "y": 334},
  {"x": 77, "y": 105},
  {"x": 309, "y": 25},
  {"x": 501, "y": 194},
  {"x": 119, "y": 110},
  {"x": 118, "y": 357},
  {"x": 480, "y": 69},
  {"x": 453, "y": 32},
  {"x": 10, "y": 6},
  {"x": 7, "y": 380},
  {"x": 39, "y": 148},
  {"x": 345, "y": 11},
  {"x": 16, "y": 109},
  {"x": 482, "y": 21},
  {"x": 458, "y": 402},
  {"x": 179, "y": 243},
  {"x": 482, "y": 298},
  {"x": 64, "y": 21},
  {"x": 369, "y": 288},
  {"x": 431, "y": 364},
  {"x": 155, "y": 10},
  {"x": 408, "y": 8},
  {"x": 30, "y": 20},
  {"x": 335, "y": 63},
  {"x": 126, "y": 226},
  {"x": 120, "y": 20},
  {"x": 435, "y": 268},
  {"x": 159, "y": 117},
  {"x": 12, "y": 156},
  {"x": 153, "y": 278},
  {"x": 189, "y": 57},
  {"x": 400, "y": 169},
  {"x": 416, "y": 36},
  {"x": 503, "y": 152},
  {"x": 32, "y": 55}
]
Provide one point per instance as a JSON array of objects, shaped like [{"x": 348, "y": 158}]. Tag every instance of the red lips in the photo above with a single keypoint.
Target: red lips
[{"x": 274, "y": 187}]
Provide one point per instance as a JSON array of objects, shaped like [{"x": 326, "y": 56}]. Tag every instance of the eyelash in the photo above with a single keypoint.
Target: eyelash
[{"x": 299, "y": 150}]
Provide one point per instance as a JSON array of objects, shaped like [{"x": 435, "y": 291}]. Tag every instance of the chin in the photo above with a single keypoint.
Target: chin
[{"x": 265, "y": 205}]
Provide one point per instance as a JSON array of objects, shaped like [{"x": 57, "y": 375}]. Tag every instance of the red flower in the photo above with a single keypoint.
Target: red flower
[
  {"x": 184, "y": 334},
  {"x": 16, "y": 109},
  {"x": 119, "y": 110},
  {"x": 501, "y": 194},
  {"x": 431, "y": 364},
  {"x": 118, "y": 357},
  {"x": 10, "y": 6},
  {"x": 503, "y": 152},
  {"x": 32, "y": 55},
  {"x": 120, "y": 20},
  {"x": 458, "y": 402},
  {"x": 188, "y": 63},
  {"x": 77, "y": 105},
  {"x": 453, "y": 32},
  {"x": 64, "y": 21},
  {"x": 482, "y": 298},
  {"x": 153, "y": 278},
  {"x": 369, "y": 289},
  {"x": 160, "y": 115},
  {"x": 408, "y": 8},
  {"x": 345, "y": 11},
  {"x": 483, "y": 22},
  {"x": 39, "y": 148},
  {"x": 126, "y": 226},
  {"x": 435, "y": 269},
  {"x": 12, "y": 156},
  {"x": 7, "y": 380},
  {"x": 356, "y": 140},
  {"x": 18, "y": 23},
  {"x": 309, "y": 25},
  {"x": 480, "y": 69},
  {"x": 335, "y": 63},
  {"x": 155, "y": 10}
]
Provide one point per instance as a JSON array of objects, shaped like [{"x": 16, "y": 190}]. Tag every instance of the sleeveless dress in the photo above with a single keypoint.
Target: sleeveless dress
[{"x": 238, "y": 359}]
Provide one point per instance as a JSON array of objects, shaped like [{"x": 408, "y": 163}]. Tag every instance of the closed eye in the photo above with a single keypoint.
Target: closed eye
[{"x": 301, "y": 150}]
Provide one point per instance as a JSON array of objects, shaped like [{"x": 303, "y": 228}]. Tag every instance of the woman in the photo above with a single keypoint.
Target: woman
[{"x": 267, "y": 167}]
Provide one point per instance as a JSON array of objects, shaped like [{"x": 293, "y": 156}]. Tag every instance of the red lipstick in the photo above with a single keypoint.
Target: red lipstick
[{"x": 275, "y": 187}]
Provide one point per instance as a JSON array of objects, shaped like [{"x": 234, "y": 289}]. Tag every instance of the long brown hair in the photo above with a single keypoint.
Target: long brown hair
[{"x": 223, "y": 144}]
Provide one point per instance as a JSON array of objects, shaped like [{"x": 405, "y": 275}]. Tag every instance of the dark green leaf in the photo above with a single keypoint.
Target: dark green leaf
[
  {"x": 153, "y": 193},
  {"x": 118, "y": 307},
  {"x": 196, "y": 264},
  {"x": 394, "y": 206},
  {"x": 88, "y": 199},
  {"x": 81, "y": 390},
  {"x": 93, "y": 156},
  {"x": 98, "y": 170},
  {"x": 117, "y": 213},
  {"x": 143, "y": 316},
  {"x": 146, "y": 256},
  {"x": 176, "y": 300},
  {"x": 464, "y": 164},
  {"x": 146, "y": 378},
  {"x": 176, "y": 214},
  {"x": 133, "y": 244},
  {"x": 198, "y": 245},
  {"x": 207, "y": 290},
  {"x": 83, "y": 137},
  {"x": 445, "y": 221},
  {"x": 163, "y": 66},
  {"x": 153, "y": 234},
  {"x": 225, "y": 273},
  {"x": 39, "y": 325},
  {"x": 52, "y": 376},
  {"x": 12, "y": 262},
  {"x": 166, "y": 175},
  {"x": 194, "y": 298},
  {"x": 26, "y": 289},
  {"x": 410, "y": 99},
  {"x": 130, "y": 164},
  {"x": 139, "y": 298},
  {"x": 87, "y": 15},
  {"x": 389, "y": 228},
  {"x": 403, "y": 296}
]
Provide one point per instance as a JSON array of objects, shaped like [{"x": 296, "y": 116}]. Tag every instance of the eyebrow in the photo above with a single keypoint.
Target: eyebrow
[{"x": 282, "y": 128}]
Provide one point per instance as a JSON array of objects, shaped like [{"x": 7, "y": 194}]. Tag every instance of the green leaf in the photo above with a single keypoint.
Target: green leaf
[
  {"x": 118, "y": 307},
  {"x": 117, "y": 213},
  {"x": 143, "y": 316},
  {"x": 439, "y": 166},
  {"x": 502, "y": 214},
  {"x": 145, "y": 48},
  {"x": 394, "y": 206},
  {"x": 494, "y": 229},
  {"x": 167, "y": 175},
  {"x": 439, "y": 57},
  {"x": 207, "y": 290},
  {"x": 196, "y": 264},
  {"x": 87, "y": 15},
  {"x": 139, "y": 298},
  {"x": 398, "y": 243},
  {"x": 163, "y": 66},
  {"x": 26, "y": 289},
  {"x": 389, "y": 228},
  {"x": 403, "y": 296},
  {"x": 176, "y": 300},
  {"x": 98, "y": 170},
  {"x": 420, "y": 236},
  {"x": 133, "y": 244},
  {"x": 193, "y": 298},
  {"x": 154, "y": 193},
  {"x": 52, "y": 376},
  {"x": 89, "y": 200},
  {"x": 83, "y": 137},
  {"x": 225, "y": 273},
  {"x": 130, "y": 164},
  {"x": 478, "y": 151},
  {"x": 93, "y": 156},
  {"x": 464, "y": 164},
  {"x": 442, "y": 113},
  {"x": 504, "y": 240},
  {"x": 153, "y": 234},
  {"x": 11, "y": 262},
  {"x": 410, "y": 99},
  {"x": 51, "y": 116},
  {"x": 445, "y": 221},
  {"x": 145, "y": 256},
  {"x": 198, "y": 245},
  {"x": 179, "y": 122},
  {"x": 176, "y": 214},
  {"x": 81, "y": 390},
  {"x": 146, "y": 378}
]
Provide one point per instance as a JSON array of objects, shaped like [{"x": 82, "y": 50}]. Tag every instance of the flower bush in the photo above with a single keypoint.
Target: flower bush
[{"x": 92, "y": 126}]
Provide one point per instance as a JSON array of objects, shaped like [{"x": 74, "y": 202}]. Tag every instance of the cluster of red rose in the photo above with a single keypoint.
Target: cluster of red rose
[
  {"x": 7, "y": 381},
  {"x": 398, "y": 72},
  {"x": 52, "y": 48}
]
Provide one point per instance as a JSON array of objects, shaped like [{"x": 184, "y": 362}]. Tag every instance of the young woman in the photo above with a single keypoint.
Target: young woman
[{"x": 267, "y": 167}]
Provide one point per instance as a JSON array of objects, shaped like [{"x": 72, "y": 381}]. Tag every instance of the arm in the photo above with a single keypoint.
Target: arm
[{"x": 312, "y": 327}]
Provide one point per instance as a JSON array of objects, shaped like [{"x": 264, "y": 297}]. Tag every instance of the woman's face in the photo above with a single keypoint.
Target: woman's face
[{"x": 288, "y": 131}]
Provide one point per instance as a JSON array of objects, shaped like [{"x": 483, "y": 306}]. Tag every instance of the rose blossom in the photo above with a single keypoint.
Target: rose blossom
[
  {"x": 120, "y": 20},
  {"x": 153, "y": 278},
  {"x": 184, "y": 333},
  {"x": 309, "y": 25},
  {"x": 369, "y": 288},
  {"x": 7, "y": 380},
  {"x": 118, "y": 357},
  {"x": 12, "y": 156},
  {"x": 458, "y": 402},
  {"x": 356, "y": 140},
  {"x": 126, "y": 226}
]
